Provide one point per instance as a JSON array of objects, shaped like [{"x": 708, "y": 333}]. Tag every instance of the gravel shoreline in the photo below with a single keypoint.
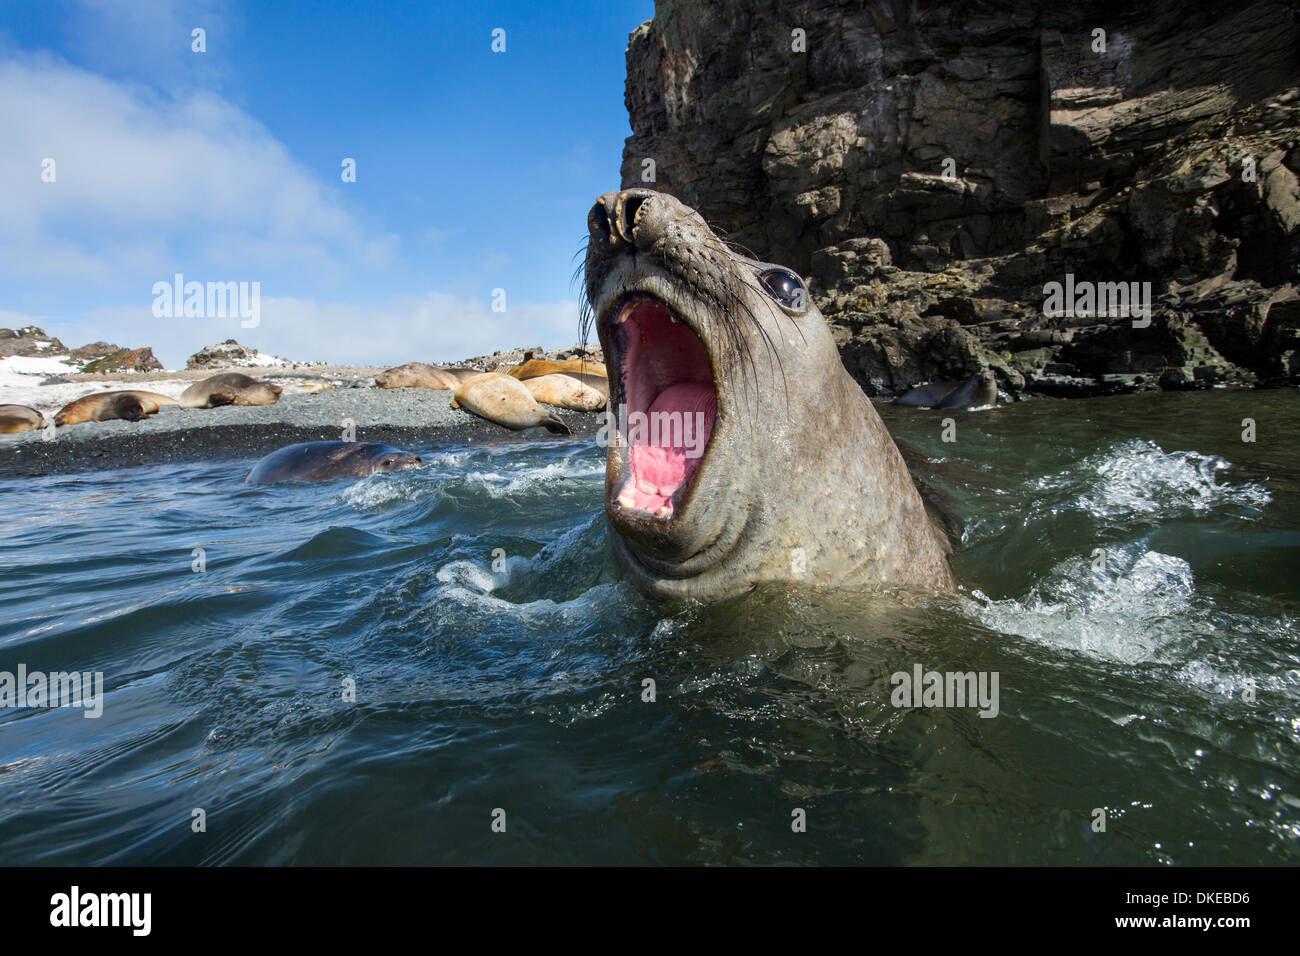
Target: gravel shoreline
[{"x": 401, "y": 417}]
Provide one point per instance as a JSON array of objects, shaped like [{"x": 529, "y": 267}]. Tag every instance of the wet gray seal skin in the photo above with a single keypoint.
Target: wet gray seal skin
[
  {"x": 799, "y": 482},
  {"x": 979, "y": 389},
  {"x": 327, "y": 460},
  {"x": 230, "y": 388}
]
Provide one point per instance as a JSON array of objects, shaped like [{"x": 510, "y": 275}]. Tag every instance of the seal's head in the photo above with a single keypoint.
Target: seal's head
[
  {"x": 327, "y": 460},
  {"x": 398, "y": 461},
  {"x": 743, "y": 450}
]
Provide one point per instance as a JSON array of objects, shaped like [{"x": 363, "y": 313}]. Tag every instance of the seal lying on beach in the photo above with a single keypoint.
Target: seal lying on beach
[
  {"x": 502, "y": 399},
  {"x": 326, "y": 460},
  {"x": 131, "y": 405},
  {"x": 582, "y": 393},
  {"x": 230, "y": 388},
  {"x": 794, "y": 478},
  {"x": 19, "y": 418},
  {"x": 419, "y": 375},
  {"x": 980, "y": 389},
  {"x": 536, "y": 368}
]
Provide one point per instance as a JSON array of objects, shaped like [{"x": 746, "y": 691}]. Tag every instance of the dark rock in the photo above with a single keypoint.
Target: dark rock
[
  {"x": 30, "y": 342},
  {"x": 125, "y": 360},
  {"x": 93, "y": 351},
  {"x": 227, "y": 354},
  {"x": 932, "y": 166}
]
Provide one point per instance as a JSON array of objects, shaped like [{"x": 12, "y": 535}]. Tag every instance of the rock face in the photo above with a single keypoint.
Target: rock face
[
  {"x": 512, "y": 357},
  {"x": 229, "y": 354},
  {"x": 932, "y": 166},
  {"x": 121, "y": 360},
  {"x": 32, "y": 342}
]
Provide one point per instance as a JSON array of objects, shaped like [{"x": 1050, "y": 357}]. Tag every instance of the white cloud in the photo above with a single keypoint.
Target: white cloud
[
  {"x": 430, "y": 328},
  {"x": 435, "y": 327},
  {"x": 134, "y": 166},
  {"x": 151, "y": 182}
]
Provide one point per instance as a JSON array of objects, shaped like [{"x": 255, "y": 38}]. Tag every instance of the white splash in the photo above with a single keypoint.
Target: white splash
[
  {"x": 1127, "y": 614},
  {"x": 1138, "y": 477}
]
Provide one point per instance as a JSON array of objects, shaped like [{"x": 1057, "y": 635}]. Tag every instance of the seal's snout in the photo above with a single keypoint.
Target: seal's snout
[{"x": 630, "y": 217}]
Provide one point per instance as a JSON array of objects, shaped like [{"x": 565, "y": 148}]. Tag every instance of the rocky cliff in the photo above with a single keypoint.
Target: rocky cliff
[
  {"x": 32, "y": 342},
  {"x": 931, "y": 167}
]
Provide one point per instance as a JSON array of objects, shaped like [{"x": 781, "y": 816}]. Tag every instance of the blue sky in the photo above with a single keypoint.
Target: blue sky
[{"x": 474, "y": 169}]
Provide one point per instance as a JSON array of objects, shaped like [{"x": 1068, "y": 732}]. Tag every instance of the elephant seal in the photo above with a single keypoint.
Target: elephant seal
[
  {"x": 131, "y": 405},
  {"x": 326, "y": 460},
  {"x": 230, "y": 388},
  {"x": 740, "y": 450},
  {"x": 582, "y": 393},
  {"x": 503, "y": 399},
  {"x": 419, "y": 375},
  {"x": 979, "y": 389},
  {"x": 19, "y": 418},
  {"x": 536, "y": 368}
]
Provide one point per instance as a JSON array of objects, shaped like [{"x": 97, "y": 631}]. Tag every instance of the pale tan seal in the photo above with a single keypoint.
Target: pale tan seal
[
  {"x": 420, "y": 375},
  {"x": 794, "y": 478},
  {"x": 19, "y": 418},
  {"x": 536, "y": 368},
  {"x": 582, "y": 393},
  {"x": 502, "y": 399},
  {"x": 131, "y": 405},
  {"x": 230, "y": 388}
]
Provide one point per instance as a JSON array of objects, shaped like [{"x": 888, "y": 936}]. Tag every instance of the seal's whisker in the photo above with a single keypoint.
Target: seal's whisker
[{"x": 735, "y": 336}]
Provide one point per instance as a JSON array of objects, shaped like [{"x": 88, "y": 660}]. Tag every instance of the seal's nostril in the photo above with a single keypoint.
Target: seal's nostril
[
  {"x": 598, "y": 223},
  {"x": 630, "y": 208}
]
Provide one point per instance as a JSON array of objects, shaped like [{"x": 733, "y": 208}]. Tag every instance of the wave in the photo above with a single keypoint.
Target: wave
[{"x": 1139, "y": 478}]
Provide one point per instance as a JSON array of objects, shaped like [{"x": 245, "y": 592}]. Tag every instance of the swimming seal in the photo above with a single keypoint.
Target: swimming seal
[
  {"x": 536, "y": 368},
  {"x": 230, "y": 388},
  {"x": 419, "y": 375},
  {"x": 503, "y": 399},
  {"x": 979, "y": 389},
  {"x": 326, "y": 460},
  {"x": 19, "y": 418},
  {"x": 791, "y": 476},
  {"x": 131, "y": 405},
  {"x": 582, "y": 393}
]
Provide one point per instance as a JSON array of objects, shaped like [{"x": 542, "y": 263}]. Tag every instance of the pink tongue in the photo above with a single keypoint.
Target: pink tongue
[{"x": 659, "y": 470}]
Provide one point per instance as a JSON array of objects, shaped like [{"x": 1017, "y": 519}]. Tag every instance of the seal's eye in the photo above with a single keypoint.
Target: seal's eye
[{"x": 786, "y": 287}]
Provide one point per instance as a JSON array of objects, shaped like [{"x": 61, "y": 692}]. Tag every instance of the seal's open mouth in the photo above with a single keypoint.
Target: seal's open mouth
[{"x": 667, "y": 404}]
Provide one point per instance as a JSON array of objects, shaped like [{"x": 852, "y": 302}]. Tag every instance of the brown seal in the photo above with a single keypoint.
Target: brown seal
[
  {"x": 230, "y": 388},
  {"x": 536, "y": 368},
  {"x": 19, "y": 418},
  {"x": 419, "y": 375},
  {"x": 741, "y": 450},
  {"x": 131, "y": 405}
]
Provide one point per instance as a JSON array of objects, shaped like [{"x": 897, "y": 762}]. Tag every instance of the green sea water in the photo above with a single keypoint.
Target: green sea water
[{"x": 1130, "y": 572}]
